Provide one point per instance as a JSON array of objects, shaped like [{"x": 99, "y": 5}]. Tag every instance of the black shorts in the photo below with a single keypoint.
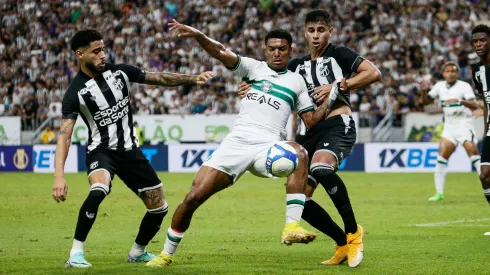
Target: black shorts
[
  {"x": 336, "y": 135},
  {"x": 299, "y": 139},
  {"x": 485, "y": 153},
  {"x": 131, "y": 167}
]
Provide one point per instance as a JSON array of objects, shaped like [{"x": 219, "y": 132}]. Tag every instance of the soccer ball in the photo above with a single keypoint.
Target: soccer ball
[{"x": 282, "y": 160}]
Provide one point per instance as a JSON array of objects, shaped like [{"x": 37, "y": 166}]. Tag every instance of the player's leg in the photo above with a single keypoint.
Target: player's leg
[
  {"x": 470, "y": 144},
  {"x": 207, "y": 182},
  {"x": 295, "y": 199},
  {"x": 446, "y": 149},
  {"x": 485, "y": 169},
  {"x": 137, "y": 173},
  {"x": 331, "y": 150},
  {"x": 100, "y": 173}
]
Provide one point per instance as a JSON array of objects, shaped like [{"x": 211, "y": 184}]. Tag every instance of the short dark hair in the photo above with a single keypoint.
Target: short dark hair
[
  {"x": 281, "y": 34},
  {"x": 481, "y": 28},
  {"x": 84, "y": 38},
  {"x": 450, "y": 63},
  {"x": 318, "y": 16}
]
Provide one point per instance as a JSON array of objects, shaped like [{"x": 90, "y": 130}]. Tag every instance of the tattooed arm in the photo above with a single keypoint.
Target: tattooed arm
[
  {"x": 171, "y": 79},
  {"x": 60, "y": 188}
]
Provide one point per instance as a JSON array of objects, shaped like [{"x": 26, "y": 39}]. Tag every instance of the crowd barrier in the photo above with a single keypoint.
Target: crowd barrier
[{"x": 369, "y": 157}]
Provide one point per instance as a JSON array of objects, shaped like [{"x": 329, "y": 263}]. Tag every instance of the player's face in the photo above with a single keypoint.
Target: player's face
[
  {"x": 450, "y": 74},
  {"x": 480, "y": 43},
  {"x": 277, "y": 53},
  {"x": 93, "y": 56},
  {"x": 318, "y": 34}
]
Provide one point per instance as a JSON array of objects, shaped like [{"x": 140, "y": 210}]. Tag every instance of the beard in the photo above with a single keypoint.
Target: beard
[{"x": 95, "y": 69}]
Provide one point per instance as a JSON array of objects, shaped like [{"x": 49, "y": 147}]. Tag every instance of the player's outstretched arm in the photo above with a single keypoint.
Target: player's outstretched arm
[
  {"x": 60, "y": 188},
  {"x": 367, "y": 74},
  {"x": 211, "y": 46},
  {"x": 171, "y": 79}
]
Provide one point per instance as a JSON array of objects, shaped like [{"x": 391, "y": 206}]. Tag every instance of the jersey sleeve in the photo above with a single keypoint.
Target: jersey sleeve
[
  {"x": 434, "y": 92},
  {"x": 134, "y": 73},
  {"x": 70, "y": 105},
  {"x": 468, "y": 93},
  {"x": 478, "y": 85},
  {"x": 304, "y": 101},
  {"x": 244, "y": 66},
  {"x": 349, "y": 60}
]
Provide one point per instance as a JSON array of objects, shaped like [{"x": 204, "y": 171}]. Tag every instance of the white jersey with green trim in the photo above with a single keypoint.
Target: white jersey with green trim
[
  {"x": 455, "y": 114},
  {"x": 271, "y": 100}
]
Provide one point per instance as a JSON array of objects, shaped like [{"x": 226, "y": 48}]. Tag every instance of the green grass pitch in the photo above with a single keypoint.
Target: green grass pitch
[{"x": 238, "y": 230}]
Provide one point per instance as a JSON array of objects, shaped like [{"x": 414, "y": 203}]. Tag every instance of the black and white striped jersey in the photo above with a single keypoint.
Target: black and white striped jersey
[
  {"x": 481, "y": 78},
  {"x": 335, "y": 63},
  {"x": 103, "y": 103}
]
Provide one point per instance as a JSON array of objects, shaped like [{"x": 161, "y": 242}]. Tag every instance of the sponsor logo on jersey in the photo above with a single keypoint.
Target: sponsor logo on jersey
[
  {"x": 112, "y": 114},
  {"x": 261, "y": 98}
]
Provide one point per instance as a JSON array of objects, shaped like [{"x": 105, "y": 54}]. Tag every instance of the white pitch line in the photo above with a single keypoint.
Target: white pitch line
[{"x": 450, "y": 222}]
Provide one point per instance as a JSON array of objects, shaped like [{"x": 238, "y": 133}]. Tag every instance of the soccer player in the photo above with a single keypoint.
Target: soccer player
[
  {"x": 100, "y": 93},
  {"x": 331, "y": 140},
  {"x": 276, "y": 92},
  {"x": 458, "y": 101},
  {"x": 480, "y": 38}
]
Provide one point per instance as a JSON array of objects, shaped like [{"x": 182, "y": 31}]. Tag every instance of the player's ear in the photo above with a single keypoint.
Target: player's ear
[
  {"x": 330, "y": 31},
  {"x": 79, "y": 54}
]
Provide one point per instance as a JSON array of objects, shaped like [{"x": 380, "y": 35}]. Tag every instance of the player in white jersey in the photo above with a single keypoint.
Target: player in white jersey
[
  {"x": 276, "y": 92},
  {"x": 458, "y": 101}
]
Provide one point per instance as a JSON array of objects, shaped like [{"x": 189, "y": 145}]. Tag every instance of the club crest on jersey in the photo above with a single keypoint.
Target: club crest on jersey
[
  {"x": 324, "y": 71},
  {"x": 118, "y": 84},
  {"x": 266, "y": 86}
]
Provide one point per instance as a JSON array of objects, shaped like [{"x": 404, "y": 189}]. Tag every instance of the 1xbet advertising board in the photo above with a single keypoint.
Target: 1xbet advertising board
[{"x": 411, "y": 157}]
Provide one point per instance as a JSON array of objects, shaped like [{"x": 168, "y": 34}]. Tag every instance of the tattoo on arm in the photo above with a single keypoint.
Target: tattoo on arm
[
  {"x": 66, "y": 129},
  {"x": 169, "y": 79}
]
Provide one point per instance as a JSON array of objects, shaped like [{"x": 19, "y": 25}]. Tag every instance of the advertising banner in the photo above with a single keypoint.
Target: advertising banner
[
  {"x": 16, "y": 159},
  {"x": 188, "y": 157},
  {"x": 355, "y": 160},
  {"x": 10, "y": 130},
  {"x": 174, "y": 128},
  {"x": 44, "y": 159},
  {"x": 411, "y": 157}
]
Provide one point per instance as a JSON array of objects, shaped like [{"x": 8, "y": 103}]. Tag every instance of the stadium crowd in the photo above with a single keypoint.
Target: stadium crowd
[{"x": 407, "y": 40}]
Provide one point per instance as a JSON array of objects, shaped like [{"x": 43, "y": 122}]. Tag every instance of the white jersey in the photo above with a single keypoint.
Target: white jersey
[
  {"x": 271, "y": 100},
  {"x": 455, "y": 114}
]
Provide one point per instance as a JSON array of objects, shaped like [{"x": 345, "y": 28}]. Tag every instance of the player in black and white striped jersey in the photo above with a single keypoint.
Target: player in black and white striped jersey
[
  {"x": 480, "y": 38},
  {"x": 100, "y": 94}
]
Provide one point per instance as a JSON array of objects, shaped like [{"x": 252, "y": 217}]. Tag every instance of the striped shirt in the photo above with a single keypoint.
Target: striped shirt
[
  {"x": 103, "y": 103},
  {"x": 481, "y": 78}
]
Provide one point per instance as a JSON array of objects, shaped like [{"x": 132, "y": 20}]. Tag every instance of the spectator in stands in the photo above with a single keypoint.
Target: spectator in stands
[
  {"x": 42, "y": 114},
  {"x": 364, "y": 112},
  {"x": 54, "y": 113},
  {"x": 28, "y": 118},
  {"x": 47, "y": 136},
  {"x": 3, "y": 109}
]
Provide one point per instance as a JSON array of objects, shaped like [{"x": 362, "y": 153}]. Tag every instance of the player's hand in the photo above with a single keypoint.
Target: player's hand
[
  {"x": 343, "y": 85},
  {"x": 450, "y": 101},
  {"x": 183, "y": 30},
  {"x": 321, "y": 93},
  {"x": 60, "y": 189},
  {"x": 243, "y": 89},
  {"x": 204, "y": 77}
]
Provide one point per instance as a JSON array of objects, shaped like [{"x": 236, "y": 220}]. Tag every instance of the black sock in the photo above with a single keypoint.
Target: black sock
[
  {"x": 88, "y": 213},
  {"x": 150, "y": 225},
  {"x": 337, "y": 191},
  {"x": 317, "y": 217},
  {"x": 487, "y": 195}
]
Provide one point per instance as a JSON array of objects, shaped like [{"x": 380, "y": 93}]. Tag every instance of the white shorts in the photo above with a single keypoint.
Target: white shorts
[
  {"x": 239, "y": 153},
  {"x": 459, "y": 135}
]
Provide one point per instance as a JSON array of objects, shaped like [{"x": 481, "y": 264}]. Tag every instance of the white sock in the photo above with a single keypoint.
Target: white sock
[
  {"x": 440, "y": 174},
  {"x": 475, "y": 160},
  {"x": 295, "y": 203},
  {"x": 76, "y": 247},
  {"x": 137, "y": 250},
  {"x": 172, "y": 242}
]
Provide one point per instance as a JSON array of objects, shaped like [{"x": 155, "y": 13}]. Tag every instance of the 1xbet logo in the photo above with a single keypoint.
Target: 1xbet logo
[
  {"x": 195, "y": 157},
  {"x": 408, "y": 158}
]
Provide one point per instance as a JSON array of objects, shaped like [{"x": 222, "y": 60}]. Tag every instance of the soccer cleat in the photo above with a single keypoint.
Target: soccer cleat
[
  {"x": 78, "y": 261},
  {"x": 437, "y": 197},
  {"x": 355, "y": 247},
  {"x": 161, "y": 260},
  {"x": 145, "y": 257},
  {"x": 340, "y": 255},
  {"x": 294, "y": 233}
]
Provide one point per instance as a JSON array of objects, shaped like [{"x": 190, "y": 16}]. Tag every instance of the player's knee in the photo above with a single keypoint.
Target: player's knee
[
  {"x": 195, "y": 198},
  {"x": 485, "y": 175},
  {"x": 159, "y": 211},
  {"x": 99, "y": 190},
  {"x": 319, "y": 170},
  {"x": 302, "y": 153}
]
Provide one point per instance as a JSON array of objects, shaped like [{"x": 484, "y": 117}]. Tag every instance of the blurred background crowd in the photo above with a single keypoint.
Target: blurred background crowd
[{"x": 407, "y": 40}]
